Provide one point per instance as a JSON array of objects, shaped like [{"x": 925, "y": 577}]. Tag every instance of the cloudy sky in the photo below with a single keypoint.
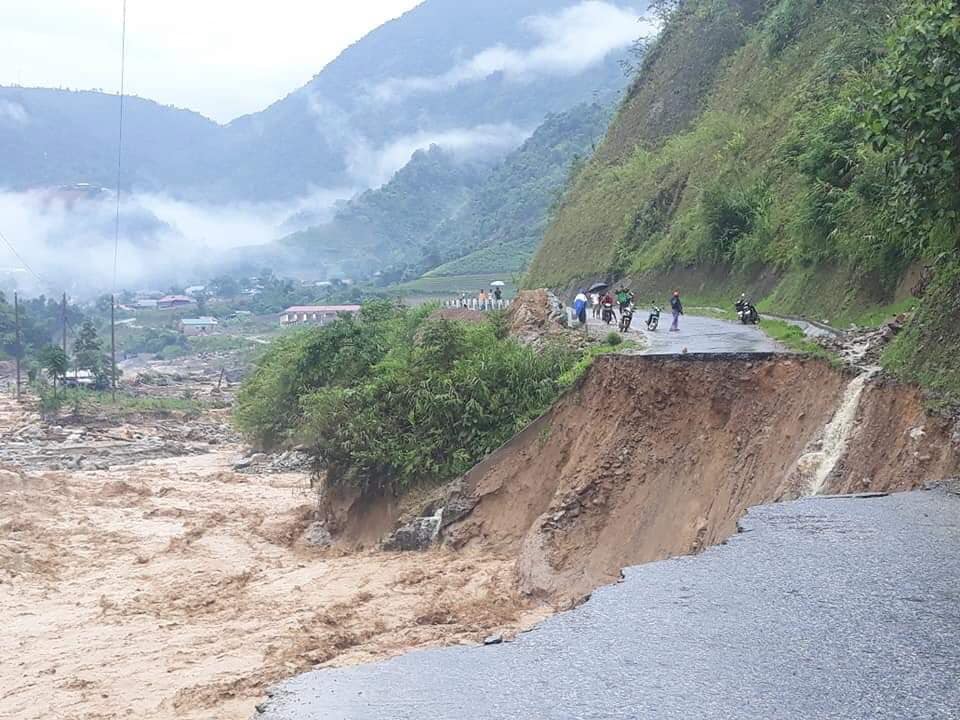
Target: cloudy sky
[{"x": 188, "y": 53}]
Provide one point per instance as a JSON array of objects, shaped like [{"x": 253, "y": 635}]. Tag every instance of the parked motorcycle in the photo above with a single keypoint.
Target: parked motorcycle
[
  {"x": 626, "y": 317},
  {"x": 747, "y": 312},
  {"x": 653, "y": 322}
]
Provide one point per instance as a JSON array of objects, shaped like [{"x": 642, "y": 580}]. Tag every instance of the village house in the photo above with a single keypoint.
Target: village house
[
  {"x": 198, "y": 326},
  {"x": 169, "y": 302},
  {"x": 315, "y": 314}
]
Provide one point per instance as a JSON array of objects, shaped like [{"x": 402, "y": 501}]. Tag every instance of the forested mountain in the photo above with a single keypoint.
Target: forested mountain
[
  {"x": 465, "y": 73},
  {"x": 388, "y": 226},
  {"x": 501, "y": 225},
  {"x": 466, "y": 216},
  {"x": 59, "y": 137}
]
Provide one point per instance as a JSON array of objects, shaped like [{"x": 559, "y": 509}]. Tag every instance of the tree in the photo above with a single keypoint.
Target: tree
[
  {"x": 54, "y": 360},
  {"x": 88, "y": 354},
  {"x": 913, "y": 114}
]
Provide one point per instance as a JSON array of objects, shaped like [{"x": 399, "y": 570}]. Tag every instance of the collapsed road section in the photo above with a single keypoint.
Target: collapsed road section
[{"x": 653, "y": 457}]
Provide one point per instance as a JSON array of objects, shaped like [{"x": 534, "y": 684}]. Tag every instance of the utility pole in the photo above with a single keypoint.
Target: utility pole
[
  {"x": 63, "y": 313},
  {"x": 19, "y": 350},
  {"x": 113, "y": 343}
]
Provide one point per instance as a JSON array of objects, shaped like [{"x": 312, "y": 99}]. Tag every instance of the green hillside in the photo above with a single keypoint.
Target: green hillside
[
  {"x": 501, "y": 225},
  {"x": 388, "y": 226},
  {"x": 467, "y": 217},
  {"x": 804, "y": 150}
]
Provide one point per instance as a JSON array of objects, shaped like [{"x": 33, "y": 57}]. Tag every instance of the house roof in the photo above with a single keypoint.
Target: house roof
[
  {"x": 322, "y": 309},
  {"x": 200, "y": 321},
  {"x": 175, "y": 298}
]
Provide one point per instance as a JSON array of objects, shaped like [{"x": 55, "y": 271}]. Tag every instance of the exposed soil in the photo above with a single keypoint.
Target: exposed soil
[
  {"x": 651, "y": 458},
  {"x": 537, "y": 318},
  {"x": 179, "y": 588}
]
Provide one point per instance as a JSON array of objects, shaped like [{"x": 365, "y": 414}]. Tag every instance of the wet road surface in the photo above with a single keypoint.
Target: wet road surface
[
  {"x": 696, "y": 335},
  {"x": 822, "y": 608}
]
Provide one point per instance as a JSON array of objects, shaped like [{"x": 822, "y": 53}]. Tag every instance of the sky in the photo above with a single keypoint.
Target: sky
[{"x": 222, "y": 58}]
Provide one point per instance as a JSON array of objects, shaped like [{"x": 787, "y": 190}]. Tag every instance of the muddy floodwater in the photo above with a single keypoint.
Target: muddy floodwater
[{"x": 179, "y": 588}]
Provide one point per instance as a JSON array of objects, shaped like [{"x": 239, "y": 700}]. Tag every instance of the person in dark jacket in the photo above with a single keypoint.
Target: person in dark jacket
[{"x": 677, "y": 307}]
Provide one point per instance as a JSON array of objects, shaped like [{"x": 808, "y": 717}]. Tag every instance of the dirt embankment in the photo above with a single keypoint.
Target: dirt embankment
[{"x": 651, "y": 458}]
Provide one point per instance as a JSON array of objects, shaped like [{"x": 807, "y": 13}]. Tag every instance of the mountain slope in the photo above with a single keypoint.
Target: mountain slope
[
  {"x": 389, "y": 225},
  {"x": 59, "y": 137},
  {"x": 501, "y": 225},
  {"x": 440, "y": 208},
  {"x": 456, "y": 72},
  {"x": 814, "y": 164},
  {"x": 367, "y": 98}
]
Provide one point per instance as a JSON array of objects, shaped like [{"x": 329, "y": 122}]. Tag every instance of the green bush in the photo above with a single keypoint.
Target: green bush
[
  {"x": 613, "y": 339},
  {"x": 926, "y": 352},
  {"x": 392, "y": 398},
  {"x": 912, "y": 115}
]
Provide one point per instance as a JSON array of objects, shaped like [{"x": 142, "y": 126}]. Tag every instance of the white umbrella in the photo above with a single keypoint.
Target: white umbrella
[{"x": 497, "y": 283}]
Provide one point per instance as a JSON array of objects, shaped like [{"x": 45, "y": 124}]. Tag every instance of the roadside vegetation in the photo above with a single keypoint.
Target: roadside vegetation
[
  {"x": 397, "y": 397},
  {"x": 814, "y": 163},
  {"x": 796, "y": 339}
]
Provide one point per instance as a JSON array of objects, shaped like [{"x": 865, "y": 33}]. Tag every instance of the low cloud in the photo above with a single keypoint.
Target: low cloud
[
  {"x": 371, "y": 165},
  {"x": 569, "y": 42},
  {"x": 13, "y": 112},
  {"x": 68, "y": 238},
  {"x": 375, "y": 166}
]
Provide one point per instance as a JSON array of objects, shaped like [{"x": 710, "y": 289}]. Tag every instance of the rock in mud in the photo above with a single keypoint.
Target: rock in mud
[
  {"x": 418, "y": 534},
  {"x": 460, "y": 503},
  {"x": 318, "y": 535}
]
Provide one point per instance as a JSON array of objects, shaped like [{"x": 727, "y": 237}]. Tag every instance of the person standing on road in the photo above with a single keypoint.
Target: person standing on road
[
  {"x": 677, "y": 307},
  {"x": 483, "y": 300},
  {"x": 580, "y": 307},
  {"x": 595, "y": 304}
]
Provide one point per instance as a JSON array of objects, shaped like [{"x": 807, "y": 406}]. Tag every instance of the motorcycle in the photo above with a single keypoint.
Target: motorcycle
[
  {"x": 747, "y": 312},
  {"x": 654, "y": 320},
  {"x": 606, "y": 313},
  {"x": 626, "y": 318}
]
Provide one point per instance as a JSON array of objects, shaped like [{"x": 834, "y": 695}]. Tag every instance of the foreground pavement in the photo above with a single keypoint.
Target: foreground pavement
[{"x": 823, "y": 608}]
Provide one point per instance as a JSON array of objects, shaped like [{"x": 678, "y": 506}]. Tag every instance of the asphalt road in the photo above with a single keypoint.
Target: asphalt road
[
  {"x": 824, "y": 608},
  {"x": 696, "y": 335}
]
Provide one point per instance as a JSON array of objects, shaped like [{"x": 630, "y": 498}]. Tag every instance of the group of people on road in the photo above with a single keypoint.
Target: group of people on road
[
  {"x": 623, "y": 299},
  {"x": 485, "y": 300}
]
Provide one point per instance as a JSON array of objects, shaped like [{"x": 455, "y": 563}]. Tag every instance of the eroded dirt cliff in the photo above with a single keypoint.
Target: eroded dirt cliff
[{"x": 654, "y": 457}]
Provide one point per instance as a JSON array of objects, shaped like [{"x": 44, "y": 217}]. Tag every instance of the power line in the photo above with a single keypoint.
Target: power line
[
  {"x": 123, "y": 72},
  {"x": 19, "y": 257}
]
